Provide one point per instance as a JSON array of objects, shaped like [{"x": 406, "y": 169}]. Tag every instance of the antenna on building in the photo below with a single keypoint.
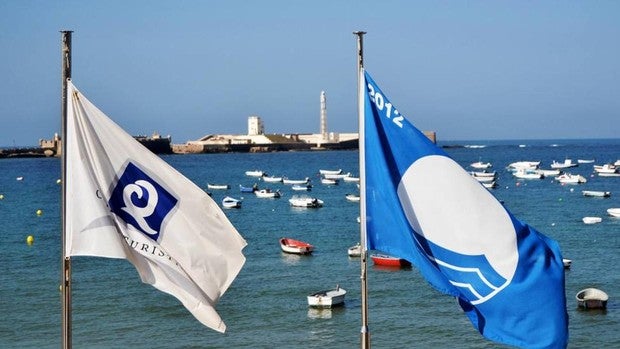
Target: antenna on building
[{"x": 323, "y": 116}]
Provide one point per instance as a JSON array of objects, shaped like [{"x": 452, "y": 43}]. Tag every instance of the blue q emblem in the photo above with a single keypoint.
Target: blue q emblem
[{"x": 140, "y": 201}]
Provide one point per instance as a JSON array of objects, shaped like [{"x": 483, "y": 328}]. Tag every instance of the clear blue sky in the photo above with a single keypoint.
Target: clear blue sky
[{"x": 470, "y": 70}]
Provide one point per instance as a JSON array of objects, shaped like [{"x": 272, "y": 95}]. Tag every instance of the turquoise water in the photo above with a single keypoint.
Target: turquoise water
[{"x": 266, "y": 306}]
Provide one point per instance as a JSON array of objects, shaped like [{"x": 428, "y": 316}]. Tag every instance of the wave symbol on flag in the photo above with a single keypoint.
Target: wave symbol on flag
[
  {"x": 141, "y": 202},
  {"x": 460, "y": 226},
  {"x": 473, "y": 275}
]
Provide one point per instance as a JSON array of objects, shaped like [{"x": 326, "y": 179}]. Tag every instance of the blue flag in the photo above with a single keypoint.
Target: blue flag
[{"x": 423, "y": 207}]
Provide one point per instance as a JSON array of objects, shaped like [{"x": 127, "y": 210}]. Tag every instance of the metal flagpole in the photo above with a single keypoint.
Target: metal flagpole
[
  {"x": 364, "y": 332},
  {"x": 65, "y": 277}
]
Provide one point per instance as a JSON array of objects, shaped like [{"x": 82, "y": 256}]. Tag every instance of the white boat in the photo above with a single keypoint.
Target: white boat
[
  {"x": 567, "y": 263},
  {"x": 351, "y": 179},
  {"x": 324, "y": 172},
  {"x": 272, "y": 179},
  {"x": 481, "y": 165},
  {"x": 20, "y": 178},
  {"x": 337, "y": 176},
  {"x": 352, "y": 197},
  {"x": 568, "y": 178},
  {"x": 584, "y": 161},
  {"x": 549, "y": 173},
  {"x": 230, "y": 202},
  {"x": 328, "y": 181},
  {"x": 614, "y": 212},
  {"x": 524, "y": 164},
  {"x": 606, "y": 168},
  {"x": 267, "y": 193},
  {"x": 483, "y": 173},
  {"x": 596, "y": 193},
  {"x": 522, "y": 173},
  {"x": 305, "y": 201},
  {"x": 490, "y": 185},
  {"x": 295, "y": 181},
  {"x": 300, "y": 187},
  {"x": 255, "y": 173},
  {"x": 592, "y": 220},
  {"x": 328, "y": 298},
  {"x": 562, "y": 165},
  {"x": 295, "y": 246},
  {"x": 606, "y": 174},
  {"x": 592, "y": 298},
  {"x": 355, "y": 250},
  {"x": 217, "y": 186},
  {"x": 484, "y": 179}
]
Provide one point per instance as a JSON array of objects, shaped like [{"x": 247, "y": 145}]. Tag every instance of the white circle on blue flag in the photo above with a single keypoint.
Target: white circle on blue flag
[{"x": 448, "y": 207}]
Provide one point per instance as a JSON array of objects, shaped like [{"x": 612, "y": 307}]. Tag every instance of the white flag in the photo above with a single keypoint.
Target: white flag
[{"x": 123, "y": 201}]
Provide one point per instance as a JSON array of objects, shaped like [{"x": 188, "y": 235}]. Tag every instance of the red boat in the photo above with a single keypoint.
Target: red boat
[
  {"x": 389, "y": 261},
  {"x": 295, "y": 246}
]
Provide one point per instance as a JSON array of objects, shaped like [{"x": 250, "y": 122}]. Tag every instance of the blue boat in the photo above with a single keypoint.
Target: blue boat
[{"x": 248, "y": 189}]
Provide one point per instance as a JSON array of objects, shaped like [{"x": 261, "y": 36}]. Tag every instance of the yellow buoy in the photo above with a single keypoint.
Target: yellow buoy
[
  {"x": 39, "y": 212},
  {"x": 1, "y": 196},
  {"x": 30, "y": 240},
  {"x": 58, "y": 181}
]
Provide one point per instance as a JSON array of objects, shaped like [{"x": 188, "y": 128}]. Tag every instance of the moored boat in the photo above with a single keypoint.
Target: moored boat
[
  {"x": 592, "y": 220},
  {"x": 305, "y": 201},
  {"x": 324, "y": 172},
  {"x": 484, "y": 179},
  {"x": 337, "y": 176},
  {"x": 567, "y": 263},
  {"x": 295, "y": 246},
  {"x": 481, "y": 165},
  {"x": 522, "y": 173},
  {"x": 352, "y": 197},
  {"x": 327, "y": 298},
  {"x": 490, "y": 185},
  {"x": 328, "y": 181},
  {"x": 295, "y": 181},
  {"x": 549, "y": 173},
  {"x": 606, "y": 168},
  {"x": 483, "y": 173},
  {"x": 217, "y": 186},
  {"x": 355, "y": 250},
  {"x": 255, "y": 173},
  {"x": 562, "y": 165},
  {"x": 302, "y": 187},
  {"x": 596, "y": 193},
  {"x": 248, "y": 189},
  {"x": 351, "y": 179},
  {"x": 230, "y": 202},
  {"x": 568, "y": 178},
  {"x": 389, "y": 261},
  {"x": 592, "y": 298},
  {"x": 267, "y": 193},
  {"x": 272, "y": 179},
  {"x": 614, "y": 212}
]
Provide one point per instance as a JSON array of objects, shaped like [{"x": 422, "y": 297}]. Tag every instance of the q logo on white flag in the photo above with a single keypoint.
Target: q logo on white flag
[
  {"x": 141, "y": 202},
  {"x": 460, "y": 226}
]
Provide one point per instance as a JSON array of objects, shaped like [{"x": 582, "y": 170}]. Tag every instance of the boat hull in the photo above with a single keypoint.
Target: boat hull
[
  {"x": 295, "y": 246},
  {"x": 327, "y": 299},
  {"x": 389, "y": 261},
  {"x": 592, "y": 298},
  {"x": 614, "y": 212}
]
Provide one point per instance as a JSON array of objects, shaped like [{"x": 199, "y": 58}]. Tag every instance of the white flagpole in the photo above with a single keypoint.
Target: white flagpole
[
  {"x": 65, "y": 277},
  {"x": 364, "y": 332}
]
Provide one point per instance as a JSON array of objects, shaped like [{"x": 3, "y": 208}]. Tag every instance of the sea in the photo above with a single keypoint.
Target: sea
[{"x": 265, "y": 307}]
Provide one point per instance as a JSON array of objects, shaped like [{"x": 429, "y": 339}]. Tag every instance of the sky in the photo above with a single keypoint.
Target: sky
[{"x": 468, "y": 70}]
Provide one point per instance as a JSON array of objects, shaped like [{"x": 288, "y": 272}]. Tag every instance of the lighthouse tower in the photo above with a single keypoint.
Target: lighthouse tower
[{"x": 323, "y": 116}]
